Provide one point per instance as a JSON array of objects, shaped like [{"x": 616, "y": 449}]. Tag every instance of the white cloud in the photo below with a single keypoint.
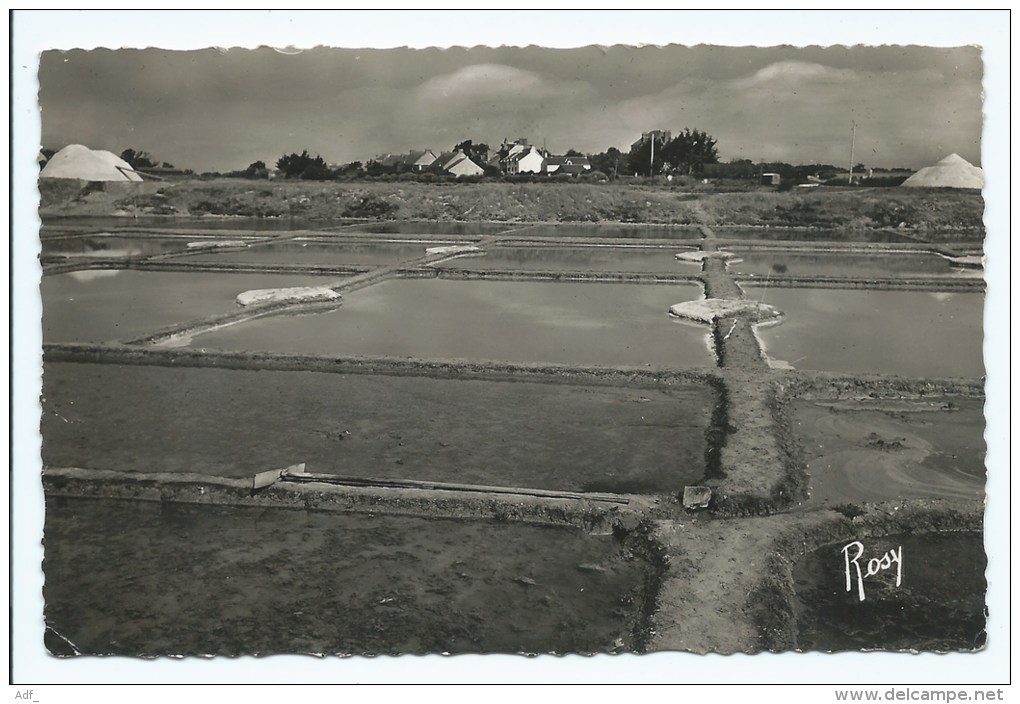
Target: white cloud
[
  {"x": 483, "y": 80},
  {"x": 793, "y": 72}
]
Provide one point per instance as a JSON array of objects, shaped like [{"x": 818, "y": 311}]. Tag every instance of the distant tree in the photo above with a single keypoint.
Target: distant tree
[
  {"x": 573, "y": 152},
  {"x": 690, "y": 150},
  {"x": 256, "y": 169},
  {"x": 608, "y": 162},
  {"x": 351, "y": 170},
  {"x": 138, "y": 159},
  {"x": 686, "y": 153},
  {"x": 304, "y": 166},
  {"x": 640, "y": 159},
  {"x": 46, "y": 155},
  {"x": 478, "y": 153}
]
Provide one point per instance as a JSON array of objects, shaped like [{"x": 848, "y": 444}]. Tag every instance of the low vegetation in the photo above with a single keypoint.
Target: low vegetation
[{"x": 649, "y": 201}]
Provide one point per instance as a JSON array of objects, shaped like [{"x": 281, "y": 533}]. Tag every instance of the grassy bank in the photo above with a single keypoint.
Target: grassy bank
[{"x": 569, "y": 202}]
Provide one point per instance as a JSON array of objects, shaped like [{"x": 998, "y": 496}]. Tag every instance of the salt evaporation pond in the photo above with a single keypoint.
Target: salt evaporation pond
[
  {"x": 888, "y": 450},
  {"x": 779, "y": 234},
  {"x": 876, "y": 265},
  {"x": 567, "y": 323},
  {"x": 297, "y": 252},
  {"x": 98, "y": 305},
  {"x": 195, "y": 223},
  {"x": 235, "y": 423},
  {"x": 606, "y": 259},
  {"x": 431, "y": 227},
  {"x": 938, "y": 606},
  {"x": 616, "y": 231},
  {"x": 140, "y": 245},
  {"x": 910, "y": 333},
  {"x": 141, "y": 578}
]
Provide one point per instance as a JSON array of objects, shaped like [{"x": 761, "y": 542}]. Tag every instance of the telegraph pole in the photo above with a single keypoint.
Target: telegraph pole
[
  {"x": 651, "y": 161},
  {"x": 853, "y": 138}
]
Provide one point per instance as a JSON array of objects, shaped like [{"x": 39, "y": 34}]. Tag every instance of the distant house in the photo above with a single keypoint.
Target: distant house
[
  {"x": 525, "y": 161},
  {"x": 410, "y": 161},
  {"x": 572, "y": 165},
  {"x": 460, "y": 165},
  {"x": 389, "y": 161},
  {"x": 661, "y": 138},
  {"x": 770, "y": 179},
  {"x": 420, "y": 160},
  {"x": 510, "y": 153}
]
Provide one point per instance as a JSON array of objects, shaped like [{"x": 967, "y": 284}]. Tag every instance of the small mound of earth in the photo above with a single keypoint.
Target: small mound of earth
[
  {"x": 453, "y": 249},
  {"x": 297, "y": 294},
  {"x": 702, "y": 256},
  {"x": 711, "y": 309},
  {"x": 212, "y": 244}
]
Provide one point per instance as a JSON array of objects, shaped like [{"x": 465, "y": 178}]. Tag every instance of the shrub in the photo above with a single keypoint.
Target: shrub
[{"x": 369, "y": 206}]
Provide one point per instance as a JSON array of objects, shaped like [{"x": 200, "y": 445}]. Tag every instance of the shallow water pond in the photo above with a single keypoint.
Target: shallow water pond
[
  {"x": 568, "y": 323},
  {"x": 303, "y": 252},
  {"x": 144, "y": 578},
  {"x": 616, "y": 230},
  {"x": 141, "y": 245},
  {"x": 870, "y": 451},
  {"x": 237, "y": 422},
  {"x": 195, "y": 223},
  {"x": 877, "y": 265},
  {"x": 938, "y": 606},
  {"x": 911, "y": 333},
  {"x": 644, "y": 259},
  {"x": 98, "y": 305},
  {"x": 429, "y": 227},
  {"x": 778, "y": 234}
]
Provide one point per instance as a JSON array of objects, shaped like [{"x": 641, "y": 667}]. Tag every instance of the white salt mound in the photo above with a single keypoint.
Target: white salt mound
[
  {"x": 952, "y": 172},
  {"x": 77, "y": 161},
  {"x": 297, "y": 294},
  {"x": 710, "y": 309},
  {"x": 702, "y": 256},
  {"x": 212, "y": 244},
  {"x": 453, "y": 249}
]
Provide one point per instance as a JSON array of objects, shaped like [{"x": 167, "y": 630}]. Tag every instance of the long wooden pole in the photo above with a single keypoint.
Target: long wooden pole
[{"x": 853, "y": 138}]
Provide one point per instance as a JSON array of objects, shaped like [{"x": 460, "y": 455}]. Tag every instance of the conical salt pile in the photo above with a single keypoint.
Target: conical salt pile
[
  {"x": 76, "y": 161},
  {"x": 952, "y": 172}
]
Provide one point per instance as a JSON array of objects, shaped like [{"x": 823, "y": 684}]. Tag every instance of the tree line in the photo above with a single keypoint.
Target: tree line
[{"x": 687, "y": 153}]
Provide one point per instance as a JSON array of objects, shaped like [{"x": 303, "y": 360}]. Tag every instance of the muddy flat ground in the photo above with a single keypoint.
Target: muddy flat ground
[
  {"x": 870, "y": 451},
  {"x": 235, "y": 423},
  {"x": 938, "y": 606},
  {"x": 141, "y": 578}
]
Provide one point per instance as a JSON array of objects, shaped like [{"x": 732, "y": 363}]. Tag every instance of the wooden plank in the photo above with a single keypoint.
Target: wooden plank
[{"x": 300, "y": 476}]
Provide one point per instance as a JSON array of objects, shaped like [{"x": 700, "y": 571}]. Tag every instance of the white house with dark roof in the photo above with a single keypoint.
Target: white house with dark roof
[
  {"x": 525, "y": 161},
  {"x": 458, "y": 164}
]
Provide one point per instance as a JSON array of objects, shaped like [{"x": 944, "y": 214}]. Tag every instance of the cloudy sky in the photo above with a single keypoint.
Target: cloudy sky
[{"x": 221, "y": 109}]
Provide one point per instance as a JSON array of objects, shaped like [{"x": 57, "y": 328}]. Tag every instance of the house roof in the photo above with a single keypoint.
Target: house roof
[
  {"x": 416, "y": 156},
  {"x": 568, "y": 161},
  {"x": 517, "y": 156},
  {"x": 462, "y": 165},
  {"x": 572, "y": 169},
  {"x": 388, "y": 159}
]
